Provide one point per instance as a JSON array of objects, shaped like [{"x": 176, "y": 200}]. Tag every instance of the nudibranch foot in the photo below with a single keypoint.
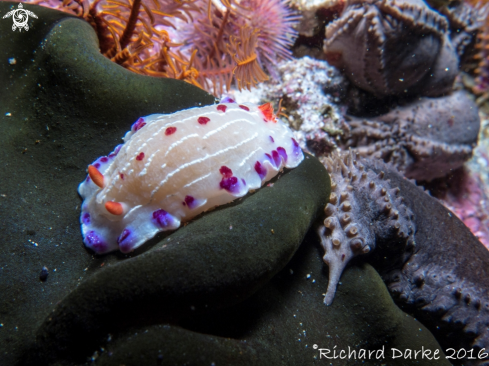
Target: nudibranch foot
[
  {"x": 363, "y": 212},
  {"x": 173, "y": 167}
]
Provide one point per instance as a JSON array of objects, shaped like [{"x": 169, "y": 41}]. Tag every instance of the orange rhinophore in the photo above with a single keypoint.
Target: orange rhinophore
[
  {"x": 96, "y": 176},
  {"x": 267, "y": 110},
  {"x": 115, "y": 208}
]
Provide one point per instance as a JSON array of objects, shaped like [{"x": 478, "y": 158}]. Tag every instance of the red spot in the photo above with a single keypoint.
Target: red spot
[
  {"x": 267, "y": 111},
  {"x": 222, "y": 108},
  {"x": 170, "y": 131},
  {"x": 121, "y": 175},
  {"x": 140, "y": 156},
  {"x": 203, "y": 120},
  {"x": 244, "y": 107},
  {"x": 189, "y": 201},
  {"x": 226, "y": 172}
]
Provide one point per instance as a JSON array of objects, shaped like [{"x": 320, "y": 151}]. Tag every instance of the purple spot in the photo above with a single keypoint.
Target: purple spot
[
  {"x": 203, "y": 120},
  {"x": 222, "y": 108},
  {"x": 276, "y": 158},
  {"x": 136, "y": 126},
  {"x": 116, "y": 151},
  {"x": 104, "y": 159},
  {"x": 230, "y": 184},
  {"x": 244, "y": 182},
  {"x": 282, "y": 153},
  {"x": 126, "y": 247},
  {"x": 261, "y": 170},
  {"x": 126, "y": 241},
  {"x": 269, "y": 158},
  {"x": 140, "y": 156},
  {"x": 226, "y": 172},
  {"x": 271, "y": 139},
  {"x": 96, "y": 165},
  {"x": 244, "y": 107},
  {"x": 162, "y": 218},
  {"x": 297, "y": 149},
  {"x": 86, "y": 218},
  {"x": 125, "y": 234},
  {"x": 190, "y": 202},
  {"x": 94, "y": 241},
  {"x": 88, "y": 178},
  {"x": 227, "y": 100}
]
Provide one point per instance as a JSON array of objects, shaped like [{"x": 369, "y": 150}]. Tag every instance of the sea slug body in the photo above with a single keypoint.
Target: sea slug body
[{"x": 173, "y": 167}]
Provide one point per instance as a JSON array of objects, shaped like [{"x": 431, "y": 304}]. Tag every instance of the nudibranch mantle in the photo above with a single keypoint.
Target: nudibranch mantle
[{"x": 173, "y": 167}]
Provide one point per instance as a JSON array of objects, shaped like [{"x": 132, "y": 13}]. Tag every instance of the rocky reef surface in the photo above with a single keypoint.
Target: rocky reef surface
[{"x": 233, "y": 285}]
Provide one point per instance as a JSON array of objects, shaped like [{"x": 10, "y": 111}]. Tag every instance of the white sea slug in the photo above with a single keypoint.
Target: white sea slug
[{"x": 173, "y": 167}]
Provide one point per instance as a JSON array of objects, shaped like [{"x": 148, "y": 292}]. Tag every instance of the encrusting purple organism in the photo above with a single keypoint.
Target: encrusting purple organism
[
  {"x": 423, "y": 140},
  {"x": 432, "y": 264}
]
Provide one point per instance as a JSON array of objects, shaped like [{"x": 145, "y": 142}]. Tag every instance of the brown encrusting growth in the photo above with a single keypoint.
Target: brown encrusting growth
[{"x": 424, "y": 140}]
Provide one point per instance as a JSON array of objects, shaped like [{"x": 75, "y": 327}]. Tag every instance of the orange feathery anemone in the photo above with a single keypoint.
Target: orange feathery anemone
[
  {"x": 216, "y": 34},
  {"x": 204, "y": 42},
  {"x": 243, "y": 51}
]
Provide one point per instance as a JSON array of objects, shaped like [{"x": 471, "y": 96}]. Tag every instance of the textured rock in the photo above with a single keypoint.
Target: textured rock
[{"x": 424, "y": 140}]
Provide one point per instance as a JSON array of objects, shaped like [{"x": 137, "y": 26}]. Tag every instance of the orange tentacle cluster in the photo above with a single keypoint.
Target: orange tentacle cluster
[{"x": 220, "y": 44}]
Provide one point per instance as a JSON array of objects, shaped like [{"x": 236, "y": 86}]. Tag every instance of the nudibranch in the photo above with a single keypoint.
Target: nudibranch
[{"x": 173, "y": 167}]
